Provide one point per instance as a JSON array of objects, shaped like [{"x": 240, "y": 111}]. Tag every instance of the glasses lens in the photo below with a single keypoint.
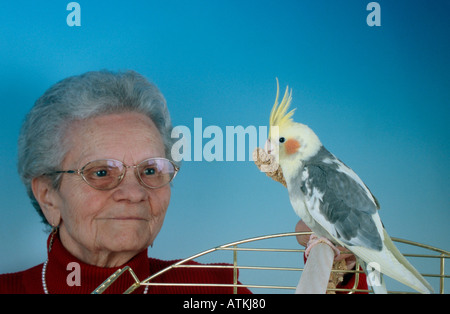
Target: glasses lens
[
  {"x": 103, "y": 174},
  {"x": 156, "y": 172}
]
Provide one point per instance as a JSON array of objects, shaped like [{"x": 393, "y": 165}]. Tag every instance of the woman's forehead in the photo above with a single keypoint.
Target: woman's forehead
[{"x": 127, "y": 137}]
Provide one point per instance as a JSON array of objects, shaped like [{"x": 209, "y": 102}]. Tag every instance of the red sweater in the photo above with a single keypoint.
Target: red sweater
[{"x": 59, "y": 276}]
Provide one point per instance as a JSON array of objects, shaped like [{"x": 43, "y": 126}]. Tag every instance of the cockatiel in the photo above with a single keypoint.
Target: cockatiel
[{"x": 332, "y": 200}]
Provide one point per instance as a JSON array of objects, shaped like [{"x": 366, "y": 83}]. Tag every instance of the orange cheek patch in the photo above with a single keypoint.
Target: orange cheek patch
[{"x": 291, "y": 146}]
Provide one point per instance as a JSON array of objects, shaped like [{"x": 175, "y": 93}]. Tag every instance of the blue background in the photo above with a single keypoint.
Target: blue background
[{"x": 378, "y": 98}]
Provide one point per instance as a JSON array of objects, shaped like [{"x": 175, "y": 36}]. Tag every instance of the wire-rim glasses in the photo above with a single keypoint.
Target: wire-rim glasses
[{"x": 106, "y": 174}]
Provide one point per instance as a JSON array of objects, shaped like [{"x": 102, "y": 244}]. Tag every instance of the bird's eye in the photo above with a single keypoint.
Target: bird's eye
[{"x": 282, "y": 140}]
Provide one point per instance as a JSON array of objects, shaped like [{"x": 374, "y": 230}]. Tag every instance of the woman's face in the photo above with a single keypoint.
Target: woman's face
[{"x": 107, "y": 228}]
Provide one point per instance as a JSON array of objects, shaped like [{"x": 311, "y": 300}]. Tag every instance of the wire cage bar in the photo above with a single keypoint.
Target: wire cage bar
[{"x": 239, "y": 247}]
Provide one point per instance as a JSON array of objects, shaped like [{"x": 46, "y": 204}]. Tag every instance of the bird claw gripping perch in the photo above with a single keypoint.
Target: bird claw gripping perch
[
  {"x": 335, "y": 277},
  {"x": 314, "y": 240},
  {"x": 266, "y": 163}
]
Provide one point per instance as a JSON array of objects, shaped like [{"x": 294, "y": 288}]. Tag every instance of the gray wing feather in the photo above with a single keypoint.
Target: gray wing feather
[{"x": 344, "y": 202}]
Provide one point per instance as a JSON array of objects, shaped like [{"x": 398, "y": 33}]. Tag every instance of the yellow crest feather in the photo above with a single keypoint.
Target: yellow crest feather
[{"x": 279, "y": 116}]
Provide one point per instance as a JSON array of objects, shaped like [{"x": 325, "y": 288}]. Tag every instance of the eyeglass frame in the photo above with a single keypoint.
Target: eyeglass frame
[{"x": 138, "y": 176}]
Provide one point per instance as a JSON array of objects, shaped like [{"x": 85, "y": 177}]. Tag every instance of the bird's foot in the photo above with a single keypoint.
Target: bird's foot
[{"x": 314, "y": 240}]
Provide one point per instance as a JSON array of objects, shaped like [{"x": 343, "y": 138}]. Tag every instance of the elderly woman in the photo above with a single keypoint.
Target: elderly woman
[{"x": 94, "y": 155}]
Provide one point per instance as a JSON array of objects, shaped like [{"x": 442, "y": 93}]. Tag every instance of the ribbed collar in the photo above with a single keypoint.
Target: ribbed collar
[{"x": 61, "y": 274}]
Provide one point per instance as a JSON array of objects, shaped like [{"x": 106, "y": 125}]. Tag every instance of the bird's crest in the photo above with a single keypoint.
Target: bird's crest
[{"x": 280, "y": 116}]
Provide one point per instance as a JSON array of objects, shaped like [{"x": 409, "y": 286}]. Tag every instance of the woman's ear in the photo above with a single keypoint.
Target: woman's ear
[{"x": 47, "y": 198}]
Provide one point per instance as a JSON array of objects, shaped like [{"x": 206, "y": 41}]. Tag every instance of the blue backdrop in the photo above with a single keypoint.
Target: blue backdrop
[{"x": 378, "y": 97}]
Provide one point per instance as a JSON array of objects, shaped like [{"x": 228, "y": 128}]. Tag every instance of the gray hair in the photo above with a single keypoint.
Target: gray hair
[{"x": 41, "y": 147}]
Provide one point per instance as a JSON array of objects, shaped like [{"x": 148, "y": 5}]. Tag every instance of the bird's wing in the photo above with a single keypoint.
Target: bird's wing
[{"x": 340, "y": 202}]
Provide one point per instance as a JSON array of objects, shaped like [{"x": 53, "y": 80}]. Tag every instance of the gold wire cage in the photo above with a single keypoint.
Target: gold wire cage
[{"x": 239, "y": 247}]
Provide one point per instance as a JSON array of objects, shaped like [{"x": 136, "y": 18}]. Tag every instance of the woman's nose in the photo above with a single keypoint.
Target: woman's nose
[{"x": 130, "y": 189}]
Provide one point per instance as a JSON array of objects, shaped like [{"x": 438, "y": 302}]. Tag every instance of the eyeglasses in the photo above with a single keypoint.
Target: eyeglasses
[{"x": 106, "y": 174}]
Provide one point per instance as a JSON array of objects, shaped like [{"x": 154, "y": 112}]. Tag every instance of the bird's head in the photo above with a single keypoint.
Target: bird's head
[{"x": 290, "y": 142}]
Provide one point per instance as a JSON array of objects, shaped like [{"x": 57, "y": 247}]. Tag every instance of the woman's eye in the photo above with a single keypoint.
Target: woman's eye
[
  {"x": 149, "y": 171},
  {"x": 101, "y": 173}
]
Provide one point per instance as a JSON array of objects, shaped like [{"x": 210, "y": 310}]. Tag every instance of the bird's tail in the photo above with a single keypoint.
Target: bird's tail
[
  {"x": 416, "y": 281},
  {"x": 391, "y": 262}
]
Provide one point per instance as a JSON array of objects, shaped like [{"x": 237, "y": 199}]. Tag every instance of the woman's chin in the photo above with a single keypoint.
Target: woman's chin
[{"x": 127, "y": 236}]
